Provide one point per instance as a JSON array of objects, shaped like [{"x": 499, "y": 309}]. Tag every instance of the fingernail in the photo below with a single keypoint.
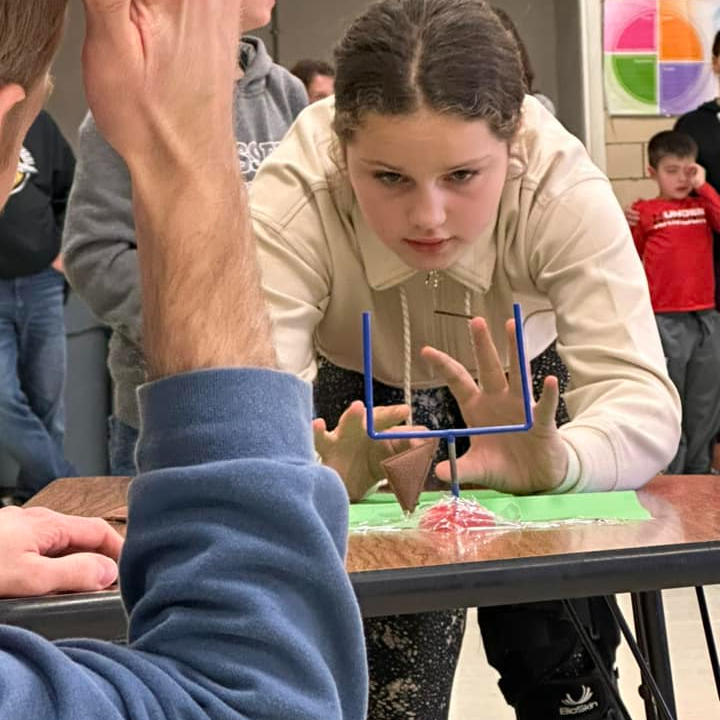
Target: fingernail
[{"x": 108, "y": 574}]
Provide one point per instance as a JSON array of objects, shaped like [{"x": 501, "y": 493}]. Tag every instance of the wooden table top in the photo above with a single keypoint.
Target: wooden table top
[
  {"x": 414, "y": 571},
  {"x": 685, "y": 509}
]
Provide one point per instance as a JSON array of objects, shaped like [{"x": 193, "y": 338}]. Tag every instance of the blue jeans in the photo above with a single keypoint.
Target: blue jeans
[
  {"x": 123, "y": 439},
  {"x": 32, "y": 378}
]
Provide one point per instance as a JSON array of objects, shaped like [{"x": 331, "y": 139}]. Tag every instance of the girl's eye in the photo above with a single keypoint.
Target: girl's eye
[
  {"x": 462, "y": 176},
  {"x": 390, "y": 178}
]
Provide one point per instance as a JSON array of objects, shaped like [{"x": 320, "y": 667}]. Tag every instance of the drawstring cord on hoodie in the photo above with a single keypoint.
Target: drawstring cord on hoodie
[{"x": 407, "y": 353}]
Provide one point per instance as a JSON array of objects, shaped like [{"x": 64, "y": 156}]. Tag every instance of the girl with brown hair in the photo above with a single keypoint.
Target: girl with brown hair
[{"x": 432, "y": 182}]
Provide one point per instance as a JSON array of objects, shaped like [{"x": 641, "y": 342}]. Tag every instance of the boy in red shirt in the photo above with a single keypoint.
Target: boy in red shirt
[{"x": 674, "y": 238}]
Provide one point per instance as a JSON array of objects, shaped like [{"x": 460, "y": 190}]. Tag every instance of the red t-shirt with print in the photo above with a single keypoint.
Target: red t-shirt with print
[{"x": 674, "y": 239}]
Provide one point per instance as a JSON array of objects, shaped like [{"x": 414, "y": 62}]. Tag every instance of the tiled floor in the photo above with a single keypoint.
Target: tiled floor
[{"x": 476, "y": 695}]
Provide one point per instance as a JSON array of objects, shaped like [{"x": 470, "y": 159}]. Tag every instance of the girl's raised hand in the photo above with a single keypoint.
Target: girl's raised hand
[
  {"x": 352, "y": 454},
  {"x": 519, "y": 463}
]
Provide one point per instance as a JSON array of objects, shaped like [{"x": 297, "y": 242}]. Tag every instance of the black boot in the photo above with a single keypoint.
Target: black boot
[{"x": 545, "y": 672}]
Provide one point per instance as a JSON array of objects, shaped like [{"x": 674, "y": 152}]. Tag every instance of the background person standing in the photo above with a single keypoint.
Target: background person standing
[{"x": 32, "y": 325}]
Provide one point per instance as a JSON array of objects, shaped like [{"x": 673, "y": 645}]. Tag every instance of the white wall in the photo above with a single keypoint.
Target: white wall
[
  {"x": 535, "y": 20},
  {"x": 67, "y": 103},
  {"x": 569, "y": 70}
]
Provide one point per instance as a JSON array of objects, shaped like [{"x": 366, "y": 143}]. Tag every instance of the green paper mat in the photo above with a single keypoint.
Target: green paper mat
[{"x": 383, "y": 510}]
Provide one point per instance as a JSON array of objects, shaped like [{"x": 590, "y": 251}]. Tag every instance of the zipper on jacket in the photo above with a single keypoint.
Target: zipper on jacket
[{"x": 432, "y": 280}]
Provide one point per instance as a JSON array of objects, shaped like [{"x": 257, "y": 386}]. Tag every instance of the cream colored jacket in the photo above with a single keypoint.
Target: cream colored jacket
[{"x": 560, "y": 247}]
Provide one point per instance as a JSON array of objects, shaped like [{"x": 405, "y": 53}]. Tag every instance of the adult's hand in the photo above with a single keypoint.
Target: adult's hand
[
  {"x": 519, "y": 463},
  {"x": 352, "y": 454},
  {"x": 44, "y": 552},
  {"x": 159, "y": 77},
  {"x": 150, "y": 64}
]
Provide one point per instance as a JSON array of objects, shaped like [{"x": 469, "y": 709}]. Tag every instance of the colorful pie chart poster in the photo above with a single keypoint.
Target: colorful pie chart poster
[{"x": 657, "y": 55}]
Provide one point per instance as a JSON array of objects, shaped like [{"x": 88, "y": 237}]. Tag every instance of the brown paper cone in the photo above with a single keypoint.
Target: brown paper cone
[{"x": 407, "y": 471}]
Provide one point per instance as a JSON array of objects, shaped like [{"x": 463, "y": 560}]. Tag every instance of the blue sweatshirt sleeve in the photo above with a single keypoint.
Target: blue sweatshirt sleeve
[{"x": 232, "y": 573}]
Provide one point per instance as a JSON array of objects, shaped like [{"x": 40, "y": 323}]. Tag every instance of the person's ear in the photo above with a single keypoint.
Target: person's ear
[
  {"x": 10, "y": 96},
  {"x": 652, "y": 172}
]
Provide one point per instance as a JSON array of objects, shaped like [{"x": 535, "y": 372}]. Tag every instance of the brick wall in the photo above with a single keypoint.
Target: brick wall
[{"x": 626, "y": 142}]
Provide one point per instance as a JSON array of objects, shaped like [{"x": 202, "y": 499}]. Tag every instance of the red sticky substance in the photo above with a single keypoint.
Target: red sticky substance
[{"x": 457, "y": 516}]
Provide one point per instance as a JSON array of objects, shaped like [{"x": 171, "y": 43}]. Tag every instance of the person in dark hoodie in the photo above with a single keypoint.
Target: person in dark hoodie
[
  {"x": 99, "y": 244},
  {"x": 32, "y": 325},
  {"x": 703, "y": 126}
]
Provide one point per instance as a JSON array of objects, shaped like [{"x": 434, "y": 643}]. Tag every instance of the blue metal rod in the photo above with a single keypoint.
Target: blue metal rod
[
  {"x": 368, "y": 374},
  {"x": 452, "y": 433},
  {"x": 449, "y": 433},
  {"x": 522, "y": 359}
]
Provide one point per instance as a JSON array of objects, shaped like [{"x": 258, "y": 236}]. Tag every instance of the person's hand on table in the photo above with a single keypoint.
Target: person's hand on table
[
  {"x": 352, "y": 454},
  {"x": 45, "y": 552},
  {"x": 519, "y": 463}
]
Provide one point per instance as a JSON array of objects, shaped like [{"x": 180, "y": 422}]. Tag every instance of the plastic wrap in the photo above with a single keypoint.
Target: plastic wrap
[
  {"x": 460, "y": 515},
  {"x": 487, "y": 511}
]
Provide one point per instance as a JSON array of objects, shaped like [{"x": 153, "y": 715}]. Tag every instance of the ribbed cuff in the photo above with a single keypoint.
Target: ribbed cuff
[
  {"x": 572, "y": 475},
  {"x": 225, "y": 414}
]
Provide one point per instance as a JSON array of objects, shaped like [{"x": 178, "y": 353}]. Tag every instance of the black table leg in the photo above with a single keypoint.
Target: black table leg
[
  {"x": 650, "y": 688},
  {"x": 650, "y": 622},
  {"x": 709, "y": 637},
  {"x": 589, "y": 646},
  {"x": 651, "y": 712}
]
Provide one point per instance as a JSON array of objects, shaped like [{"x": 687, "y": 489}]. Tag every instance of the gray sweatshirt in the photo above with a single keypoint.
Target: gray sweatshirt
[{"x": 99, "y": 244}]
